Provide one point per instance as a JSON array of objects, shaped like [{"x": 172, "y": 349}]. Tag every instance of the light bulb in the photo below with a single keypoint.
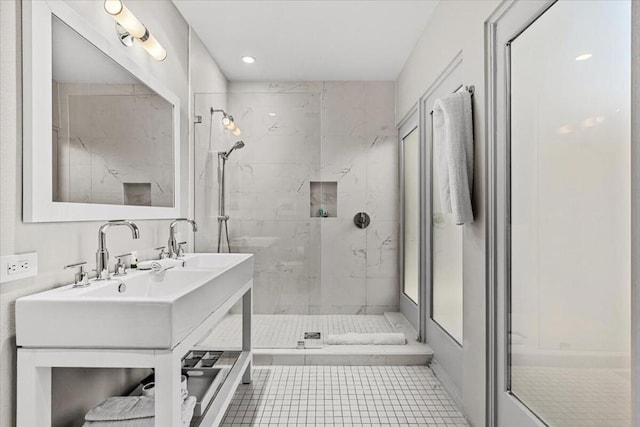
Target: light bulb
[
  {"x": 154, "y": 48},
  {"x": 228, "y": 123},
  {"x": 124, "y": 17},
  {"x": 236, "y": 131}
]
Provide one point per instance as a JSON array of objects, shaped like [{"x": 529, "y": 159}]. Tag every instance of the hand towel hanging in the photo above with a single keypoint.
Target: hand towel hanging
[{"x": 453, "y": 138}]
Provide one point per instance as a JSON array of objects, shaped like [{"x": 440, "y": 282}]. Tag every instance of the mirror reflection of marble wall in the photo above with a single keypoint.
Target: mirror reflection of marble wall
[{"x": 112, "y": 135}]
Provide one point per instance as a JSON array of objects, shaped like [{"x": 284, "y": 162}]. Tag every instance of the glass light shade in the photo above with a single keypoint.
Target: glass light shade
[
  {"x": 113, "y": 7},
  {"x": 232, "y": 126},
  {"x": 154, "y": 48},
  {"x": 226, "y": 121},
  {"x": 124, "y": 17},
  {"x": 236, "y": 131}
]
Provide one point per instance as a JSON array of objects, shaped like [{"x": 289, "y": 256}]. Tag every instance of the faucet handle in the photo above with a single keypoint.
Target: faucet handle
[
  {"x": 81, "y": 277},
  {"x": 163, "y": 252},
  {"x": 120, "y": 268},
  {"x": 180, "y": 249}
]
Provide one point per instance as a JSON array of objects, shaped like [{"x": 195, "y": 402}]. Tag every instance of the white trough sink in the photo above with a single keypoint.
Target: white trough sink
[
  {"x": 139, "y": 310},
  {"x": 209, "y": 261}
]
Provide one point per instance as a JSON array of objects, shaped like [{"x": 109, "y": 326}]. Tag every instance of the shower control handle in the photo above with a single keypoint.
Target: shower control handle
[{"x": 362, "y": 220}]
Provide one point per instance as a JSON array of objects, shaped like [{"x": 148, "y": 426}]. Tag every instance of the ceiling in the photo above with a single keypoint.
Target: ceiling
[{"x": 309, "y": 39}]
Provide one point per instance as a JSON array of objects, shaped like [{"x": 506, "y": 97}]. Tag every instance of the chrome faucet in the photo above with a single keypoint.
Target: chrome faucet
[
  {"x": 174, "y": 247},
  {"x": 102, "y": 255}
]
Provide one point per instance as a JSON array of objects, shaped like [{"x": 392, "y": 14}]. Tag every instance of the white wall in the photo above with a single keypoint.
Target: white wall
[
  {"x": 58, "y": 244},
  {"x": 458, "y": 26}
]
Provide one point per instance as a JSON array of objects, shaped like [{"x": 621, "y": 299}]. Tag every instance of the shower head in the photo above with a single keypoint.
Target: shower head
[{"x": 238, "y": 145}]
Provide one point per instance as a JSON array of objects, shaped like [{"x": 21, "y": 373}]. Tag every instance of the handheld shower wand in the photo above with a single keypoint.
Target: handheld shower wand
[{"x": 238, "y": 145}]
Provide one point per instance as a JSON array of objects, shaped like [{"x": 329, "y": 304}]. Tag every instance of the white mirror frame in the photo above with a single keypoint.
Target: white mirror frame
[{"x": 37, "y": 174}]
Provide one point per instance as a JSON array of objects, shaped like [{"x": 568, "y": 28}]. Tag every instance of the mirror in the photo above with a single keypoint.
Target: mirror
[
  {"x": 102, "y": 134},
  {"x": 111, "y": 134}
]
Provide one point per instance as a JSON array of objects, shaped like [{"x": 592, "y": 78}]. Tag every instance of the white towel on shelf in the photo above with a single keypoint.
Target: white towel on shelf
[
  {"x": 453, "y": 139},
  {"x": 387, "y": 338},
  {"x": 187, "y": 410},
  {"x": 123, "y": 408},
  {"x": 132, "y": 411},
  {"x": 158, "y": 265}
]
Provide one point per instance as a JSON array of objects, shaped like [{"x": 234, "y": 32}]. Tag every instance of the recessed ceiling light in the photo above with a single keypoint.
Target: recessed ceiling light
[
  {"x": 583, "y": 57},
  {"x": 272, "y": 114},
  {"x": 248, "y": 59}
]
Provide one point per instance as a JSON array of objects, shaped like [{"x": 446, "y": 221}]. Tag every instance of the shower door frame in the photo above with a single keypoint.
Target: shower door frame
[
  {"x": 412, "y": 310},
  {"x": 448, "y": 354},
  {"x": 508, "y": 21}
]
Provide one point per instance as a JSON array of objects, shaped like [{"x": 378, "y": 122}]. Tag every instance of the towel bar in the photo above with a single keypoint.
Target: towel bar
[{"x": 470, "y": 89}]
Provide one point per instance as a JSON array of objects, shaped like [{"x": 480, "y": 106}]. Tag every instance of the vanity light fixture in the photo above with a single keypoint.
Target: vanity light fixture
[
  {"x": 228, "y": 122},
  {"x": 131, "y": 27}
]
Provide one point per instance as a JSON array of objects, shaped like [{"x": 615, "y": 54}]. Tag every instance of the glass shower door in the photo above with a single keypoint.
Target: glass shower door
[{"x": 567, "y": 195}]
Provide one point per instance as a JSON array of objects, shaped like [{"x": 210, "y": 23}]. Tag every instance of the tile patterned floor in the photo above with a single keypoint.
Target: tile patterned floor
[
  {"x": 284, "y": 331},
  {"x": 343, "y": 396},
  {"x": 575, "y": 397}
]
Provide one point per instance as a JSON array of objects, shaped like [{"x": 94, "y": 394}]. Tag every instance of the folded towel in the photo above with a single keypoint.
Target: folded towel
[
  {"x": 366, "y": 339},
  {"x": 122, "y": 408},
  {"x": 187, "y": 410},
  {"x": 106, "y": 414},
  {"x": 160, "y": 264},
  {"x": 453, "y": 140},
  {"x": 141, "y": 422}
]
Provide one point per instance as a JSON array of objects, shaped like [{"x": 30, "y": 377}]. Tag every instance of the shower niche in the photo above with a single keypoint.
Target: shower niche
[{"x": 323, "y": 200}]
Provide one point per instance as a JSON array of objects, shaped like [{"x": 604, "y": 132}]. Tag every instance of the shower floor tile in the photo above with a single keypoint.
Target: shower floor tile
[
  {"x": 343, "y": 395},
  {"x": 575, "y": 397},
  {"x": 284, "y": 331}
]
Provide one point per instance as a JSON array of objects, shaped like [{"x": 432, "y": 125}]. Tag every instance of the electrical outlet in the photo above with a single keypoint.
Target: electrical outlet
[{"x": 14, "y": 267}]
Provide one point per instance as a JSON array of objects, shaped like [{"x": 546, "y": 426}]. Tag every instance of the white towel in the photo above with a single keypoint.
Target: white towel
[
  {"x": 158, "y": 265},
  {"x": 453, "y": 139},
  {"x": 366, "y": 339},
  {"x": 187, "y": 410},
  {"x": 132, "y": 411},
  {"x": 122, "y": 408}
]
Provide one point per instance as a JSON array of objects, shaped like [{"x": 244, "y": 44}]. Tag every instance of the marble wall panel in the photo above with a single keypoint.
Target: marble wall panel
[{"x": 296, "y": 133}]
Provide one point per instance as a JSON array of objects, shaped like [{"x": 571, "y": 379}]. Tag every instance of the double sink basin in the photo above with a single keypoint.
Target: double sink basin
[{"x": 141, "y": 310}]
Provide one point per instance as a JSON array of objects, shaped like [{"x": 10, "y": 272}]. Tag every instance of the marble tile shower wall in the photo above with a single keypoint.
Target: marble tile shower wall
[{"x": 296, "y": 133}]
